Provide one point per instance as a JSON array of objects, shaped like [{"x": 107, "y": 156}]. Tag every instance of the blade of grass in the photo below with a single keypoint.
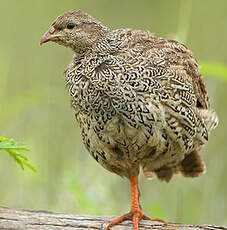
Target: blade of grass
[
  {"x": 213, "y": 69},
  {"x": 184, "y": 19}
]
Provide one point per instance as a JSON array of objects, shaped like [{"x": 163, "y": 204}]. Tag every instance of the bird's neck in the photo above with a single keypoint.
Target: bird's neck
[{"x": 108, "y": 43}]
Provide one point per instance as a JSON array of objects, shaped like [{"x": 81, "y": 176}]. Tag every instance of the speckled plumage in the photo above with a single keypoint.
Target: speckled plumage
[
  {"x": 141, "y": 102},
  {"x": 139, "y": 99}
]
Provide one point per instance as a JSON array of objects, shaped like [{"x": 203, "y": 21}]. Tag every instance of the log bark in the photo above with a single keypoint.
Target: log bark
[{"x": 11, "y": 219}]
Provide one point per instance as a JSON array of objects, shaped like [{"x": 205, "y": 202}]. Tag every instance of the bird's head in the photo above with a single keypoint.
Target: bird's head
[{"x": 76, "y": 30}]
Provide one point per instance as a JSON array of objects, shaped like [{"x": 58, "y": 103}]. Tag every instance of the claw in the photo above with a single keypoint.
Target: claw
[
  {"x": 118, "y": 220},
  {"x": 136, "y": 215}
]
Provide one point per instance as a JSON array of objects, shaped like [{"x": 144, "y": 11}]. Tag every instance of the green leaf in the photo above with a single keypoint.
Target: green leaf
[
  {"x": 6, "y": 143},
  {"x": 29, "y": 166},
  {"x": 212, "y": 69},
  {"x": 18, "y": 146},
  {"x": 11, "y": 147},
  {"x": 6, "y": 139}
]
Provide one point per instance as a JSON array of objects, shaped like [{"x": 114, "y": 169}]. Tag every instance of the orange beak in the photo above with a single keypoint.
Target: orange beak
[{"x": 49, "y": 37}]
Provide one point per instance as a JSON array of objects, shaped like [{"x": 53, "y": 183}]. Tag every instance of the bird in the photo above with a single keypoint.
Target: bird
[{"x": 139, "y": 99}]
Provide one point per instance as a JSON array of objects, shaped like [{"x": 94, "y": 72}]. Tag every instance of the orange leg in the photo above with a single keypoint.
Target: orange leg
[{"x": 136, "y": 212}]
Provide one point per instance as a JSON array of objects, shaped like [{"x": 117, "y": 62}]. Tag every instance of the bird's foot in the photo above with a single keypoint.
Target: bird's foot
[
  {"x": 136, "y": 212},
  {"x": 136, "y": 215}
]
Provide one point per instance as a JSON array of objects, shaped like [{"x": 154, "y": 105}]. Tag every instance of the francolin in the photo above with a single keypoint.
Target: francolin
[{"x": 139, "y": 99}]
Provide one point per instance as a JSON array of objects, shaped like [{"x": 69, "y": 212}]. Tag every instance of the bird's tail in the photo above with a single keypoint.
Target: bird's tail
[{"x": 192, "y": 165}]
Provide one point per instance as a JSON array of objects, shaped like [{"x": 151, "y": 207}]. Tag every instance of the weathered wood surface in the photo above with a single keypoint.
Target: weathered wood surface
[{"x": 11, "y": 219}]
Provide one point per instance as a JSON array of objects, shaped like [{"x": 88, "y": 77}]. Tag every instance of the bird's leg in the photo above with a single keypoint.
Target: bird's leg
[
  {"x": 135, "y": 205},
  {"x": 136, "y": 212}
]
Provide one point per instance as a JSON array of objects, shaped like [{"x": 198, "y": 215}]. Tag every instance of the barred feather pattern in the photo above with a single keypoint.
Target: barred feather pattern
[{"x": 141, "y": 103}]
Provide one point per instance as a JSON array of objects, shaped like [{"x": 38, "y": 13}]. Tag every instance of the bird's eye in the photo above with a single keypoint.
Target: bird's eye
[{"x": 70, "y": 26}]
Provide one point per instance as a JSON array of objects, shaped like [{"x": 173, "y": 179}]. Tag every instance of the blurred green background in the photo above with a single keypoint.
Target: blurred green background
[{"x": 34, "y": 108}]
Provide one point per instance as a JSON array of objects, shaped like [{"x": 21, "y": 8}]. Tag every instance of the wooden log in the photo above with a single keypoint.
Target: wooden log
[{"x": 11, "y": 219}]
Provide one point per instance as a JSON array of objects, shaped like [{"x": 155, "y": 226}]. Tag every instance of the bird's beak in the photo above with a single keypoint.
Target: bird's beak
[{"x": 49, "y": 36}]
